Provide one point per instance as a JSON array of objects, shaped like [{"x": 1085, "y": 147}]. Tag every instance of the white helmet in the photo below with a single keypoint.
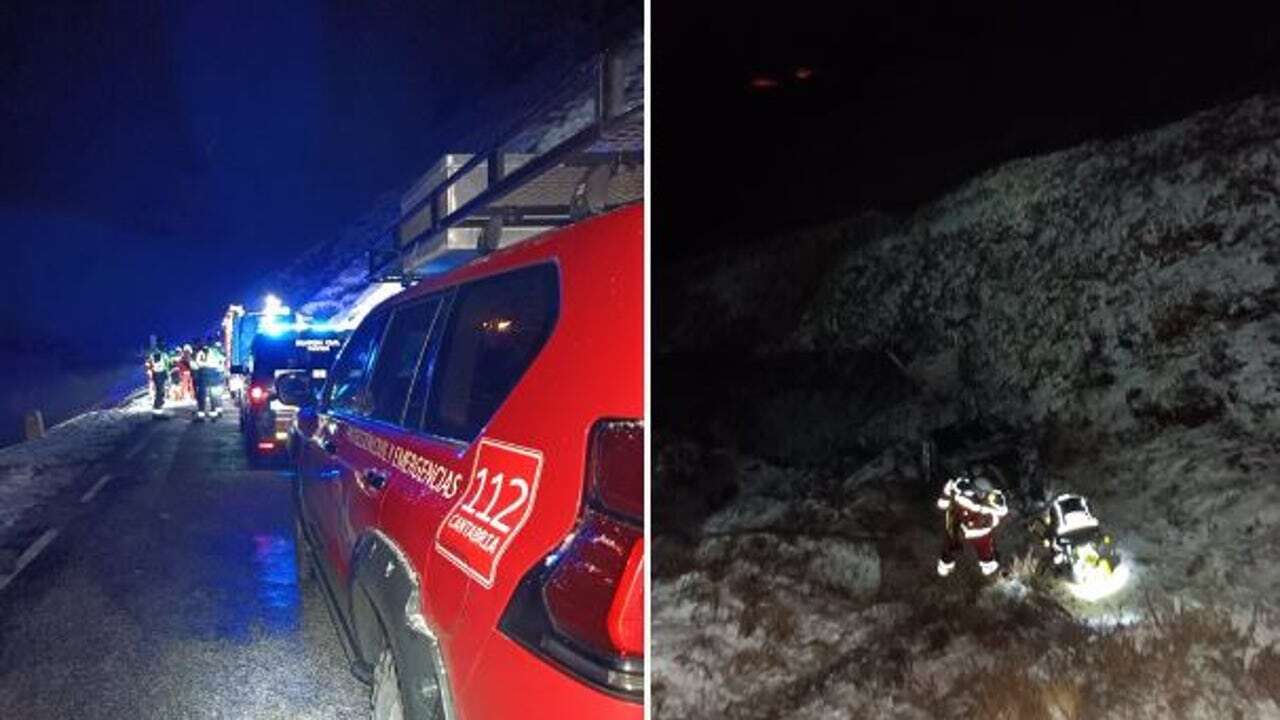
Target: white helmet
[{"x": 988, "y": 492}]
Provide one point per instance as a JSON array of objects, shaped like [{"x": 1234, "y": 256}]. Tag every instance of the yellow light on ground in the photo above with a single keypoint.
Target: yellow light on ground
[{"x": 1098, "y": 583}]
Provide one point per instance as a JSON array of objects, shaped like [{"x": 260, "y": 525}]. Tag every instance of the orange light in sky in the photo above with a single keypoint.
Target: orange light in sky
[{"x": 763, "y": 82}]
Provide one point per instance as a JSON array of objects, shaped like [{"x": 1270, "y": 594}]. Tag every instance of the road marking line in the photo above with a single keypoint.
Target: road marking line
[
  {"x": 133, "y": 452},
  {"x": 91, "y": 492},
  {"x": 33, "y": 550}
]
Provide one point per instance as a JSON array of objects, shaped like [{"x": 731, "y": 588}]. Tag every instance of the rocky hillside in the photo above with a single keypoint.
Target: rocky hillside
[
  {"x": 335, "y": 268},
  {"x": 1121, "y": 285},
  {"x": 1104, "y": 319}
]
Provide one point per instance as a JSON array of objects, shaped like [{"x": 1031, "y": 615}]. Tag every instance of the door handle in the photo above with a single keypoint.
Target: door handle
[{"x": 375, "y": 479}]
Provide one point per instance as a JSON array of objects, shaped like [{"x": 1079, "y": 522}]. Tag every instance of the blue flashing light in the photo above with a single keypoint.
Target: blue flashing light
[
  {"x": 276, "y": 326},
  {"x": 274, "y": 329},
  {"x": 324, "y": 327}
]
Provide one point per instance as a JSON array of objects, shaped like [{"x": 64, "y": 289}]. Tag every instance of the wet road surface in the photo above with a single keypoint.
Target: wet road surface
[{"x": 174, "y": 595}]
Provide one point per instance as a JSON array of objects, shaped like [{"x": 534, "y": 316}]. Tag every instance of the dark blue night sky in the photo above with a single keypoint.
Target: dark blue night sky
[
  {"x": 159, "y": 158},
  {"x": 907, "y": 98}
]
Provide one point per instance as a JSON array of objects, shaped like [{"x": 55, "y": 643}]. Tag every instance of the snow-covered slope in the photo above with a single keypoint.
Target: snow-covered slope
[
  {"x": 1111, "y": 311},
  {"x": 1128, "y": 284},
  {"x": 1122, "y": 285},
  {"x": 813, "y": 595},
  {"x": 330, "y": 277}
]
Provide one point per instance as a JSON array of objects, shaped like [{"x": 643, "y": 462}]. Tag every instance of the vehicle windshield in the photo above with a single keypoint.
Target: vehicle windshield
[
  {"x": 1071, "y": 505},
  {"x": 293, "y": 351}
]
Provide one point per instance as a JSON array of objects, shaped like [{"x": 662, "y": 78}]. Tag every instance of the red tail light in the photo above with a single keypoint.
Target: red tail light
[
  {"x": 592, "y": 577},
  {"x": 257, "y": 394},
  {"x": 616, "y": 467},
  {"x": 584, "y": 606},
  {"x": 626, "y": 615}
]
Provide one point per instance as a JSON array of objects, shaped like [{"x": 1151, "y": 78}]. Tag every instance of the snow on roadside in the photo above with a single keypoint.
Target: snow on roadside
[{"x": 33, "y": 471}]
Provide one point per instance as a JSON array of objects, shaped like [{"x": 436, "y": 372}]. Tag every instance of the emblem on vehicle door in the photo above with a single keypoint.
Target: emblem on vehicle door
[{"x": 498, "y": 500}]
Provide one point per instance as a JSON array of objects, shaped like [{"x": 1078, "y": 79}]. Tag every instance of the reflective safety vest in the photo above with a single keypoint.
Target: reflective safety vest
[
  {"x": 157, "y": 363},
  {"x": 969, "y": 515}
]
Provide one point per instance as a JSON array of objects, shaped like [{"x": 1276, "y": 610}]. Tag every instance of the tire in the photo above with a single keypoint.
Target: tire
[{"x": 385, "y": 702}]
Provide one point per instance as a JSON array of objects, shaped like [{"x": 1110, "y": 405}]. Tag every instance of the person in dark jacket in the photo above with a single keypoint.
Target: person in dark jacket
[
  {"x": 158, "y": 374},
  {"x": 200, "y": 364}
]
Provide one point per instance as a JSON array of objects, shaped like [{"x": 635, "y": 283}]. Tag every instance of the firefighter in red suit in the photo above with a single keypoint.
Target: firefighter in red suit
[
  {"x": 184, "y": 366},
  {"x": 974, "y": 508}
]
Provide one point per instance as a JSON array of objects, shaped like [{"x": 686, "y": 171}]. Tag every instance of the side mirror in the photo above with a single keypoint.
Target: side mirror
[
  {"x": 308, "y": 420},
  {"x": 294, "y": 389}
]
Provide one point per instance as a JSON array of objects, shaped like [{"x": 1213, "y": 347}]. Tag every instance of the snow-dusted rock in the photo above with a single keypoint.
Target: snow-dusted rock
[
  {"x": 799, "y": 560},
  {"x": 1120, "y": 298},
  {"x": 1124, "y": 284},
  {"x": 1127, "y": 285},
  {"x": 853, "y": 567}
]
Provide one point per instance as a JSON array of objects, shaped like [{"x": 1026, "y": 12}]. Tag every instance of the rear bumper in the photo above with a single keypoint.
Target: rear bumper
[
  {"x": 506, "y": 676},
  {"x": 282, "y": 424},
  {"x": 268, "y": 429}
]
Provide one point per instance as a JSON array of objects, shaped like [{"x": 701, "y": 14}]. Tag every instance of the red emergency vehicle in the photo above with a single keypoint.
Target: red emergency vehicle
[
  {"x": 471, "y": 486},
  {"x": 471, "y": 478}
]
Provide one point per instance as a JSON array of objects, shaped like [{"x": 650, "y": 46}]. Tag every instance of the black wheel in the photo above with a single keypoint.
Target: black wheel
[{"x": 385, "y": 702}]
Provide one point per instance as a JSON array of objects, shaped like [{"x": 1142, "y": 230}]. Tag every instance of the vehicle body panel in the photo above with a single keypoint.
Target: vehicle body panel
[
  {"x": 590, "y": 368},
  {"x": 271, "y": 356}
]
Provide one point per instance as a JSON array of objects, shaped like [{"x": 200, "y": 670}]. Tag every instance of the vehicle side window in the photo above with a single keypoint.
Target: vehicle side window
[
  {"x": 495, "y": 330},
  {"x": 348, "y": 387},
  {"x": 399, "y": 357},
  {"x": 413, "y": 413}
]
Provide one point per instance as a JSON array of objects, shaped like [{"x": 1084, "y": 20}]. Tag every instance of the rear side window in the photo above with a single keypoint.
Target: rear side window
[
  {"x": 349, "y": 385},
  {"x": 497, "y": 326},
  {"x": 399, "y": 358}
]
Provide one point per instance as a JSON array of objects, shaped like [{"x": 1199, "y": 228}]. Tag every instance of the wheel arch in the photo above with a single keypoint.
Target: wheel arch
[{"x": 386, "y": 599}]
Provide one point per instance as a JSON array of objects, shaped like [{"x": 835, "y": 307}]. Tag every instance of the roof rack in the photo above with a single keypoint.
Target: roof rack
[{"x": 579, "y": 152}]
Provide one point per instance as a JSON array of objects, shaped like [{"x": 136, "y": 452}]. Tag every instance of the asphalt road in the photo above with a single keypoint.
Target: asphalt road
[{"x": 173, "y": 593}]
